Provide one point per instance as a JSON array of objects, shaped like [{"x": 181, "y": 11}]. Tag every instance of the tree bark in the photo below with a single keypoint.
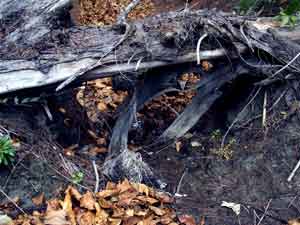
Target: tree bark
[{"x": 41, "y": 47}]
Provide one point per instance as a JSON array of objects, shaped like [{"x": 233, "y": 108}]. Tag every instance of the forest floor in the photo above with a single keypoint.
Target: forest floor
[{"x": 251, "y": 170}]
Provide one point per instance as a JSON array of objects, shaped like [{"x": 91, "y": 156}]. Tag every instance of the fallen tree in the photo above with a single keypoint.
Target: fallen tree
[{"x": 42, "y": 48}]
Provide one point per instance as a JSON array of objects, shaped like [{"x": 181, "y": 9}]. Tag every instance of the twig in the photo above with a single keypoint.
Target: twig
[
  {"x": 268, "y": 111},
  {"x": 266, "y": 209},
  {"x": 264, "y": 114},
  {"x": 237, "y": 118},
  {"x": 12, "y": 201},
  {"x": 98, "y": 62},
  {"x": 96, "y": 190},
  {"x": 294, "y": 172},
  {"x": 180, "y": 183},
  {"x": 287, "y": 65},
  {"x": 198, "y": 47},
  {"x": 124, "y": 14}
]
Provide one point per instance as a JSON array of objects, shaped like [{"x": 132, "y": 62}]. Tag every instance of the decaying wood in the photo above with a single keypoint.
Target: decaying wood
[{"x": 41, "y": 47}]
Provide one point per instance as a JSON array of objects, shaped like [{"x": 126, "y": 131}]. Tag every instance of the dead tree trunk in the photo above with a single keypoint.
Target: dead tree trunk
[{"x": 41, "y": 47}]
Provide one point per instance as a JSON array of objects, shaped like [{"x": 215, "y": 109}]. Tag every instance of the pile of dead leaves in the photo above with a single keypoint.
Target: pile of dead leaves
[
  {"x": 105, "y": 12},
  {"x": 124, "y": 203}
]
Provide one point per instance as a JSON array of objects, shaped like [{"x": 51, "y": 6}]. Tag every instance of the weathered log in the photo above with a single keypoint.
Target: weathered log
[{"x": 40, "y": 47}]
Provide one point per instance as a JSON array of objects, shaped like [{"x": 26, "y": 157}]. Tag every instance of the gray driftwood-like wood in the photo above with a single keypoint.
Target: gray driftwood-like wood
[{"x": 41, "y": 47}]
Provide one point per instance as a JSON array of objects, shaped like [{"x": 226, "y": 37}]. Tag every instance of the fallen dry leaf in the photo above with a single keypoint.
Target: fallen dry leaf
[
  {"x": 75, "y": 193},
  {"x": 68, "y": 207},
  {"x": 97, "y": 150},
  {"x": 105, "y": 204},
  {"x": 178, "y": 146},
  {"x": 102, "y": 107},
  {"x": 131, "y": 220},
  {"x": 115, "y": 221},
  {"x": 39, "y": 199},
  {"x": 107, "y": 193},
  {"x": 56, "y": 217},
  {"x": 87, "y": 201},
  {"x": 85, "y": 218},
  {"x": 187, "y": 220},
  {"x": 142, "y": 188},
  {"x": 294, "y": 222},
  {"x": 146, "y": 199},
  {"x": 157, "y": 211},
  {"x": 123, "y": 203},
  {"x": 163, "y": 197},
  {"x": 101, "y": 215}
]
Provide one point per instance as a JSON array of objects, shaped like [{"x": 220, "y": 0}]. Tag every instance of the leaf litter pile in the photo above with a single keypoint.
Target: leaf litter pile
[
  {"x": 101, "y": 101},
  {"x": 123, "y": 203}
]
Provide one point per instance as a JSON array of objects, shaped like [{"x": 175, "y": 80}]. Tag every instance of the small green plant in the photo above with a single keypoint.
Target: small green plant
[
  {"x": 77, "y": 177},
  {"x": 216, "y": 135},
  {"x": 7, "y": 151},
  {"x": 227, "y": 151},
  {"x": 252, "y": 5},
  {"x": 290, "y": 15}
]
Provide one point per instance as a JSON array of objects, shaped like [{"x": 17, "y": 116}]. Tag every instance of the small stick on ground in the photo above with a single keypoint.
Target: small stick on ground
[
  {"x": 180, "y": 183},
  {"x": 294, "y": 172},
  {"x": 266, "y": 210},
  {"x": 12, "y": 201},
  {"x": 96, "y": 190},
  {"x": 237, "y": 118},
  {"x": 123, "y": 15},
  {"x": 264, "y": 114}
]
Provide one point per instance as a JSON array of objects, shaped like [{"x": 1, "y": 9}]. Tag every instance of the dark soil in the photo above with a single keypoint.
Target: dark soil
[{"x": 254, "y": 174}]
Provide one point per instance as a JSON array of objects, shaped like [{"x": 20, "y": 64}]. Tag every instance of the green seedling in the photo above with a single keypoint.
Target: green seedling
[
  {"x": 7, "y": 151},
  {"x": 77, "y": 177}
]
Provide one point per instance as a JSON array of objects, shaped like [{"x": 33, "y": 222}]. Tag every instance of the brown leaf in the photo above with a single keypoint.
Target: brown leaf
[
  {"x": 187, "y": 220},
  {"x": 69, "y": 151},
  {"x": 164, "y": 198},
  {"x": 110, "y": 186},
  {"x": 105, "y": 204},
  {"x": 129, "y": 212},
  {"x": 85, "y": 218},
  {"x": 148, "y": 200},
  {"x": 157, "y": 211},
  {"x": 67, "y": 206},
  {"x": 53, "y": 204},
  {"x": 202, "y": 221},
  {"x": 146, "y": 221},
  {"x": 97, "y": 150},
  {"x": 56, "y": 218},
  {"x": 207, "y": 66},
  {"x": 39, "y": 199},
  {"x": 107, "y": 193},
  {"x": 118, "y": 212},
  {"x": 124, "y": 186},
  {"x": 75, "y": 193},
  {"x": 126, "y": 198},
  {"x": 87, "y": 201},
  {"x": 131, "y": 220},
  {"x": 141, "y": 188},
  {"x": 102, "y": 107},
  {"x": 294, "y": 222},
  {"x": 178, "y": 146},
  {"x": 101, "y": 215},
  {"x": 166, "y": 219},
  {"x": 114, "y": 221}
]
